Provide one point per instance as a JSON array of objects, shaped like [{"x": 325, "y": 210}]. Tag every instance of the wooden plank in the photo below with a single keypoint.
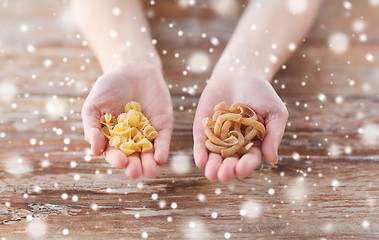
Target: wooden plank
[
  {"x": 338, "y": 202},
  {"x": 324, "y": 186}
]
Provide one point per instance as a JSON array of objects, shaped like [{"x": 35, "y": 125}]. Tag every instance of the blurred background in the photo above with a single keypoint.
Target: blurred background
[{"x": 330, "y": 86}]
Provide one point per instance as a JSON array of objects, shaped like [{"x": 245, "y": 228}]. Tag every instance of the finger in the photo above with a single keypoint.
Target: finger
[
  {"x": 162, "y": 146},
  {"x": 200, "y": 152},
  {"x": 226, "y": 170},
  {"x": 134, "y": 168},
  {"x": 275, "y": 126},
  {"x": 92, "y": 131},
  {"x": 115, "y": 157},
  {"x": 97, "y": 140},
  {"x": 248, "y": 162},
  {"x": 212, "y": 166},
  {"x": 149, "y": 166}
]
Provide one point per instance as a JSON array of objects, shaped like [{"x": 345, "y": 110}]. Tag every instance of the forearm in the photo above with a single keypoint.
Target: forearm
[
  {"x": 117, "y": 31},
  {"x": 266, "y": 36}
]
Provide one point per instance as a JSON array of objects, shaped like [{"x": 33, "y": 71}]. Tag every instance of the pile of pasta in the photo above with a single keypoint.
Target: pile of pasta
[
  {"x": 232, "y": 130},
  {"x": 131, "y": 131}
]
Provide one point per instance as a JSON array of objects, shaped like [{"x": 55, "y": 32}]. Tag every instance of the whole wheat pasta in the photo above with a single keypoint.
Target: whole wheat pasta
[{"x": 232, "y": 130}]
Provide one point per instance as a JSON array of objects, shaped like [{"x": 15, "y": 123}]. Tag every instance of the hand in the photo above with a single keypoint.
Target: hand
[
  {"x": 254, "y": 92},
  {"x": 141, "y": 82}
]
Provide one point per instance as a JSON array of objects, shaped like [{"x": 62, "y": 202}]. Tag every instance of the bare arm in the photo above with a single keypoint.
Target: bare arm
[
  {"x": 266, "y": 36},
  {"x": 117, "y": 31},
  {"x": 262, "y": 41}
]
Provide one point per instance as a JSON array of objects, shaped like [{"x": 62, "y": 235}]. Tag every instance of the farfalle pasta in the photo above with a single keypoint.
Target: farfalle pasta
[
  {"x": 131, "y": 132},
  {"x": 232, "y": 130}
]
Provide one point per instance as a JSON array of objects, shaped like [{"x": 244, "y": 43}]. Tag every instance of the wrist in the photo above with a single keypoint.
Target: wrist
[
  {"x": 139, "y": 66},
  {"x": 125, "y": 54},
  {"x": 240, "y": 72}
]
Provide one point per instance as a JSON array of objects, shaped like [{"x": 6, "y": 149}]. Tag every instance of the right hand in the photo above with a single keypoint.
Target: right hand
[{"x": 141, "y": 82}]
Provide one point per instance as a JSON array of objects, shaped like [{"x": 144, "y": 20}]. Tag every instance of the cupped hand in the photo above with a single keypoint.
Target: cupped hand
[
  {"x": 141, "y": 82},
  {"x": 255, "y": 92}
]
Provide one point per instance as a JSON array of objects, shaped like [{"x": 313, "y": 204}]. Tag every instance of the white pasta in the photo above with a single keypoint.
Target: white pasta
[{"x": 131, "y": 132}]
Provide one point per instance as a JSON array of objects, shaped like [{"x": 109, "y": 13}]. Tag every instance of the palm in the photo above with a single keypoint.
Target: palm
[
  {"x": 256, "y": 93},
  {"x": 110, "y": 93}
]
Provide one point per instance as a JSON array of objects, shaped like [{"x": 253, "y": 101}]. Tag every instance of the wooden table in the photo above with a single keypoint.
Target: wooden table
[{"x": 325, "y": 185}]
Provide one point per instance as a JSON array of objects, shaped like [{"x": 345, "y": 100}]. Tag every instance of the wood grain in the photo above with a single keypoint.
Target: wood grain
[{"x": 325, "y": 185}]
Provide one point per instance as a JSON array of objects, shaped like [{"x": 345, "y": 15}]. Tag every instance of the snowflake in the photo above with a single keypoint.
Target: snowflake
[
  {"x": 359, "y": 25},
  {"x": 186, "y": 3},
  {"x": 55, "y": 107},
  {"x": 327, "y": 228},
  {"x": 251, "y": 209},
  {"x": 36, "y": 229},
  {"x": 369, "y": 134},
  {"x": 347, "y": 5},
  {"x": 366, "y": 225},
  {"x": 335, "y": 183},
  {"x": 338, "y": 42},
  {"x": 65, "y": 232},
  {"x": 369, "y": 57},
  {"x": 8, "y": 91},
  {"x": 17, "y": 166},
  {"x": 154, "y": 196},
  {"x": 296, "y": 156},
  {"x": 199, "y": 61},
  {"x": 296, "y": 190},
  {"x": 180, "y": 163},
  {"x": 94, "y": 207},
  {"x": 297, "y": 6},
  {"x": 225, "y": 8},
  {"x": 144, "y": 235}
]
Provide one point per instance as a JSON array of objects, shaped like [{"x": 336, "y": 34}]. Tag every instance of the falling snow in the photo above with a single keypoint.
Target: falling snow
[
  {"x": 36, "y": 229},
  {"x": 198, "y": 62},
  {"x": 294, "y": 190},
  {"x": 297, "y": 6},
  {"x": 338, "y": 42},
  {"x": 17, "y": 166},
  {"x": 8, "y": 91},
  {"x": 369, "y": 134},
  {"x": 251, "y": 209},
  {"x": 180, "y": 163}
]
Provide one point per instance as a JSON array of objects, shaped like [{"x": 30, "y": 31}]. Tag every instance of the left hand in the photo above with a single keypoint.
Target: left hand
[{"x": 255, "y": 92}]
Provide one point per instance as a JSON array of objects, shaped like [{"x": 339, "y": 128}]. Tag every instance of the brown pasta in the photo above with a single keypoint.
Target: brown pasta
[
  {"x": 232, "y": 130},
  {"x": 131, "y": 132}
]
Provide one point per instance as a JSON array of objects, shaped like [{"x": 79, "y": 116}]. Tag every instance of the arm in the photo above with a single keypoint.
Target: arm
[
  {"x": 116, "y": 30},
  {"x": 266, "y": 36},
  {"x": 257, "y": 49}
]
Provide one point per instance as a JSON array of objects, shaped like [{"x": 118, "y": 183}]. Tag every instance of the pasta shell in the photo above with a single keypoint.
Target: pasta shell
[
  {"x": 145, "y": 145},
  {"x": 122, "y": 117},
  {"x": 108, "y": 119},
  {"x": 133, "y": 118},
  {"x": 132, "y": 105},
  {"x": 106, "y": 133},
  {"x": 115, "y": 141},
  {"x": 125, "y": 149}
]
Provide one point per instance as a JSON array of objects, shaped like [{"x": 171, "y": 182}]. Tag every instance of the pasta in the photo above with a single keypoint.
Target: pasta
[
  {"x": 131, "y": 132},
  {"x": 232, "y": 130}
]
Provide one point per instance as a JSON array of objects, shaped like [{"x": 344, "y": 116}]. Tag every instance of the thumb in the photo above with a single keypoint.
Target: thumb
[
  {"x": 92, "y": 132},
  {"x": 275, "y": 127}
]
